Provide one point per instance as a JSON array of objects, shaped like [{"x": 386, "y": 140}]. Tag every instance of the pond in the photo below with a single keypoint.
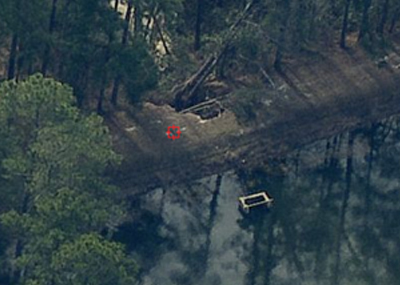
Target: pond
[{"x": 335, "y": 219}]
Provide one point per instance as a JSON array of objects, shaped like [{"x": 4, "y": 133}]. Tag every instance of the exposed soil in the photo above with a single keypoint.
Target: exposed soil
[{"x": 314, "y": 98}]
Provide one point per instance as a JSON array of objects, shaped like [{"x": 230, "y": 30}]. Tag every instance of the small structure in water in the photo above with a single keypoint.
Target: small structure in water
[{"x": 254, "y": 200}]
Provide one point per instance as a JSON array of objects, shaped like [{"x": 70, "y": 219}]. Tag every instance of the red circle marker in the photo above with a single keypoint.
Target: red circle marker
[{"x": 171, "y": 134}]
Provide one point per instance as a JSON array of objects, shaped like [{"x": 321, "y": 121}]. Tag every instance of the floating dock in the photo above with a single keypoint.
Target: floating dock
[{"x": 254, "y": 200}]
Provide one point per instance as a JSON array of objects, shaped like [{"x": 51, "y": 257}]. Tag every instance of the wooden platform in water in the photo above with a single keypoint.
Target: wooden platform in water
[{"x": 254, "y": 200}]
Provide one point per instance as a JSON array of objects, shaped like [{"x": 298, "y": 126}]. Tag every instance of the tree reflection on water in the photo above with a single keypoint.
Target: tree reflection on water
[
  {"x": 336, "y": 223},
  {"x": 334, "y": 220}
]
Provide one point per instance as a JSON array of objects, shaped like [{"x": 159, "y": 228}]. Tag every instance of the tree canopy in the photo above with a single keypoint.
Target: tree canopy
[
  {"x": 57, "y": 207},
  {"x": 102, "y": 48},
  {"x": 53, "y": 164}
]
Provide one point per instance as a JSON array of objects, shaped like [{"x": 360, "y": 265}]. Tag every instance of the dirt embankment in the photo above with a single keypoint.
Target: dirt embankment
[{"x": 314, "y": 98}]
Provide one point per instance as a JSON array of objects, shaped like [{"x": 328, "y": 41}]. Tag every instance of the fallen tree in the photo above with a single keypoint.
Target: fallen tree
[
  {"x": 350, "y": 91},
  {"x": 185, "y": 92}
]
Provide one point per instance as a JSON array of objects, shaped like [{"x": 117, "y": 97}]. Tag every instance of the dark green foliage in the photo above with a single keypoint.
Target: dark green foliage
[
  {"x": 91, "y": 255},
  {"x": 89, "y": 45},
  {"x": 53, "y": 199},
  {"x": 139, "y": 72},
  {"x": 73, "y": 41},
  {"x": 52, "y": 171}
]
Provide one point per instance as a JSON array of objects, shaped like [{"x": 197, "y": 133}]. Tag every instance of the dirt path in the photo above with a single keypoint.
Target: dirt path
[{"x": 316, "y": 99}]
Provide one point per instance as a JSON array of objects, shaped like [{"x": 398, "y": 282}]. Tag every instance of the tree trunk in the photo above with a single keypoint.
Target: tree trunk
[
  {"x": 100, "y": 99},
  {"x": 383, "y": 20},
  {"x": 326, "y": 156},
  {"x": 197, "y": 30},
  {"x": 20, "y": 62},
  {"x": 80, "y": 85},
  {"x": 147, "y": 28},
  {"x": 220, "y": 70},
  {"x": 364, "y": 27},
  {"x": 103, "y": 85},
  {"x": 128, "y": 16},
  {"x": 12, "y": 58},
  {"x": 183, "y": 94},
  {"x": 311, "y": 29},
  {"x": 395, "y": 18},
  {"x": 115, "y": 90},
  {"x": 345, "y": 24},
  {"x": 278, "y": 59},
  {"x": 137, "y": 20},
  {"x": 104, "y": 81},
  {"x": 52, "y": 23},
  {"x": 281, "y": 39},
  {"x": 15, "y": 274},
  {"x": 156, "y": 23},
  {"x": 117, "y": 81},
  {"x": 393, "y": 23}
]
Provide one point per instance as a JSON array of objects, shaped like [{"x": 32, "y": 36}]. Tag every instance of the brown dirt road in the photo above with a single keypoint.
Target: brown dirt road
[{"x": 315, "y": 98}]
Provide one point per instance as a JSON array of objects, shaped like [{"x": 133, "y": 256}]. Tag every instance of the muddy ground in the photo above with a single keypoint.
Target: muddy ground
[{"x": 313, "y": 98}]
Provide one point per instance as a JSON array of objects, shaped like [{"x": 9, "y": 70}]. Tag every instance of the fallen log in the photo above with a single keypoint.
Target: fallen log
[{"x": 198, "y": 106}]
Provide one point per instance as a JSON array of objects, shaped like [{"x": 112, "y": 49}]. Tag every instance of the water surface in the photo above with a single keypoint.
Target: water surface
[{"x": 335, "y": 220}]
